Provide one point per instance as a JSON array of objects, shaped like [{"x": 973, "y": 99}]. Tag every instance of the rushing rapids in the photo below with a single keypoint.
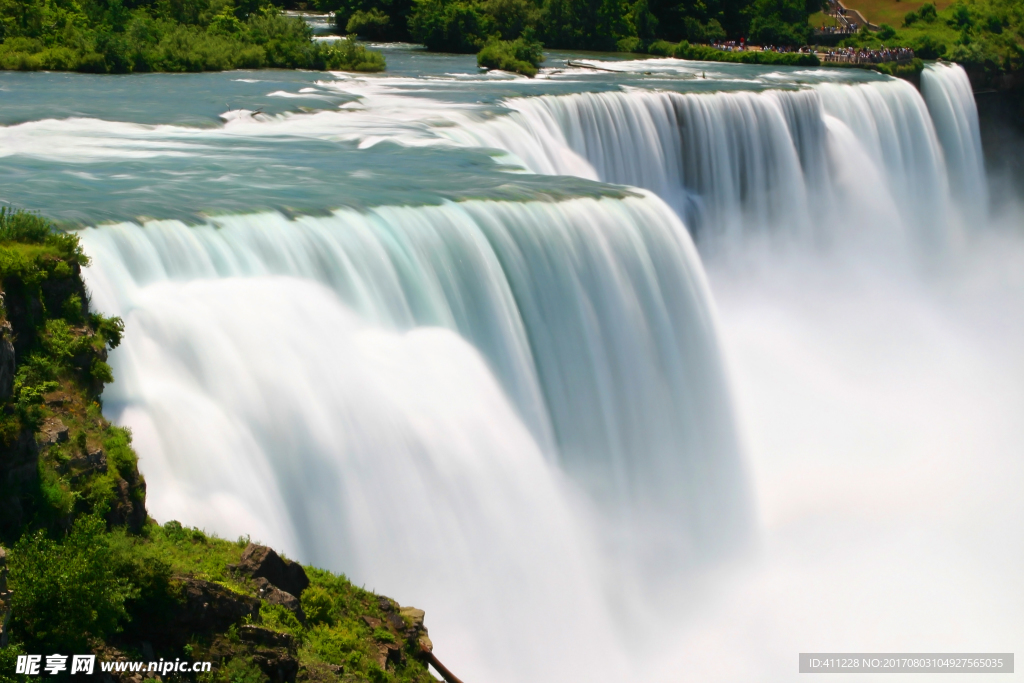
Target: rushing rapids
[{"x": 443, "y": 350}]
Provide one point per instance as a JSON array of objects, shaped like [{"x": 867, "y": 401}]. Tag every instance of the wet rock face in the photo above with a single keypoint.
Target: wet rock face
[{"x": 259, "y": 561}]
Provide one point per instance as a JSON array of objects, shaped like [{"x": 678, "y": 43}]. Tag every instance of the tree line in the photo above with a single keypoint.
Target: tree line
[{"x": 465, "y": 26}]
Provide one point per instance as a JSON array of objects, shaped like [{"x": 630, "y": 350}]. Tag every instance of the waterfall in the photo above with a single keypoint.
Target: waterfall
[
  {"x": 947, "y": 90},
  {"x": 825, "y": 160},
  {"x": 504, "y": 412},
  {"x": 427, "y": 396}
]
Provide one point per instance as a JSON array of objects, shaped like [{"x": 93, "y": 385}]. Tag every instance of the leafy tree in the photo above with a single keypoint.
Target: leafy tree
[
  {"x": 372, "y": 24},
  {"x": 66, "y": 591},
  {"x": 522, "y": 55},
  {"x": 449, "y": 25}
]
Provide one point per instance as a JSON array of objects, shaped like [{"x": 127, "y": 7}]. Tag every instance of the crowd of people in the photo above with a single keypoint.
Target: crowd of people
[
  {"x": 844, "y": 30},
  {"x": 729, "y": 45},
  {"x": 863, "y": 55},
  {"x": 848, "y": 55}
]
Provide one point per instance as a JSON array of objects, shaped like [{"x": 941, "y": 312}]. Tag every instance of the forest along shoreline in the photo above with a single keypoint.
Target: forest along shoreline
[
  {"x": 84, "y": 570},
  {"x": 985, "y": 36}
]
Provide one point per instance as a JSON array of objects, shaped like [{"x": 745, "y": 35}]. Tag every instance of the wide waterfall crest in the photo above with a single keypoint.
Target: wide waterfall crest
[
  {"x": 739, "y": 162},
  {"x": 593, "y": 315}
]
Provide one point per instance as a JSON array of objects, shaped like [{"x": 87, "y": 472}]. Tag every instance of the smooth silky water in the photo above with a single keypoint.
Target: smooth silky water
[{"x": 665, "y": 374}]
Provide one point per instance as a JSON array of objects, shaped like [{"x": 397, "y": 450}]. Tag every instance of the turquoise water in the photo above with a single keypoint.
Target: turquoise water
[{"x": 86, "y": 149}]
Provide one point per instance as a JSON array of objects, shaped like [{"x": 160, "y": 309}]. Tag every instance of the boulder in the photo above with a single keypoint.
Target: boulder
[
  {"x": 266, "y": 637},
  {"x": 52, "y": 431},
  {"x": 389, "y": 655},
  {"x": 275, "y": 596},
  {"x": 259, "y": 561},
  {"x": 280, "y": 665},
  {"x": 212, "y": 607}
]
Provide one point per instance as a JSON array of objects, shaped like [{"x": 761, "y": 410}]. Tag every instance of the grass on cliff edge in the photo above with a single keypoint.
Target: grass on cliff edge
[{"x": 122, "y": 588}]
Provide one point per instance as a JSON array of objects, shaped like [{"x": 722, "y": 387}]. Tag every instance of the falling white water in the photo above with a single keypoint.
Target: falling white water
[
  {"x": 370, "y": 437},
  {"x": 516, "y": 415},
  {"x": 791, "y": 162},
  {"x": 947, "y": 90}
]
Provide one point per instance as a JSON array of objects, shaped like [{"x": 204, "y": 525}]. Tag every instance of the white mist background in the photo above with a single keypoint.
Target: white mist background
[{"x": 881, "y": 412}]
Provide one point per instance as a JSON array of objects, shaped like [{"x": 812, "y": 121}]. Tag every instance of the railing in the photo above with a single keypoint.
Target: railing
[{"x": 874, "y": 57}]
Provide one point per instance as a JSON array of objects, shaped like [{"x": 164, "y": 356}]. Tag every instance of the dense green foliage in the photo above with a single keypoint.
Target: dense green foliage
[
  {"x": 520, "y": 55},
  {"x": 625, "y": 25},
  {"x": 466, "y": 25},
  {"x": 61, "y": 350},
  {"x": 348, "y": 55},
  {"x": 69, "y": 590},
  {"x": 121, "y": 36},
  {"x": 986, "y": 36}
]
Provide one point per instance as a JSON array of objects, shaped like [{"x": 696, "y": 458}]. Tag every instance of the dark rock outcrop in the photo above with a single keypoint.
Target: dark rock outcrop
[
  {"x": 211, "y": 607},
  {"x": 51, "y": 432},
  {"x": 275, "y": 596},
  {"x": 259, "y": 561},
  {"x": 273, "y": 652},
  {"x": 266, "y": 637},
  {"x": 278, "y": 664},
  {"x": 129, "y": 507}
]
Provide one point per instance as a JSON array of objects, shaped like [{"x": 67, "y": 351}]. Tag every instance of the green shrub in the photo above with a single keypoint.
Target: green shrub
[
  {"x": 318, "y": 605},
  {"x": 348, "y": 55},
  {"x": 235, "y": 670},
  {"x": 520, "y": 55},
  {"x": 66, "y": 591},
  {"x": 927, "y": 47},
  {"x": 22, "y": 226},
  {"x": 886, "y": 32},
  {"x": 927, "y": 14},
  {"x": 373, "y": 24},
  {"x": 8, "y": 664}
]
